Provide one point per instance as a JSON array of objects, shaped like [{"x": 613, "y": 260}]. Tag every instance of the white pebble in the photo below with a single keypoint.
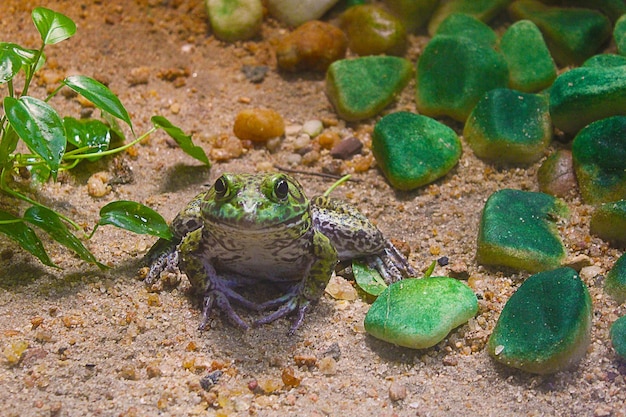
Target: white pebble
[
  {"x": 302, "y": 141},
  {"x": 293, "y": 159},
  {"x": 312, "y": 127},
  {"x": 588, "y": 273}
]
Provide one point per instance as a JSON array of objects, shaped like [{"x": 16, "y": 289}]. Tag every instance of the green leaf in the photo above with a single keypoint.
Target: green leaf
[
  {"x": 39, "y": 126},
  {"x": 48, "y": 221},
  {"x": 183, "y": 140},
  {"x": 136, "y": 218},
  {"x": 368, "y": 279},
  {"x": 53, "y": 27},
  {"x": 87, "y": 133},
  {"x": 430, "y": 269},
  {"x": 24, "y": 236},
  {"x": 100, "y": 95},
  {"x": 10, "y": 63}
]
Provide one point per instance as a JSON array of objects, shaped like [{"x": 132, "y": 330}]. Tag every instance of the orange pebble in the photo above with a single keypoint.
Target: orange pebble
[{"x": 258, "y": 125}]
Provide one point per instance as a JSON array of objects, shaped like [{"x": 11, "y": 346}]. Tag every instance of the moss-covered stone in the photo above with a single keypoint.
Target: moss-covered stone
[
  {"x": 414, "y": 150},
  {"x": 615, "y": 282},
  {"x": 531, "y": 67},
  {"x": 605, "y": 61},
  {"x": 618, "y": 337},
  {"x": 508, "y": 126},
  {"x": 461, "y": 24},
  {"x": 484, "y": 10},
  {"x": 372, "y": 30},
  {"x": 608, "y": 222},
  {"x": 419, "y": 313},
  {"x": 360, "y": 88},
  {"x": 619, "y": 35},
  {"x": 454, "y": 72},
  {"x": 413, "y": 13},
  {"x": 235, "y": 20},
  {"x": 572, "y": 34},
  {"x": 517, "y": 230},
  {"x": 545, "y": 326},
  {"x": 599, "y": 152},
  {"x": 583, "y": 95}
]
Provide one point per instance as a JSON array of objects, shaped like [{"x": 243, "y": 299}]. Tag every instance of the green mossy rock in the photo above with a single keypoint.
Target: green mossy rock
[
  {"x": 572, "y": 35},
  {"x": 360, "y": 88},
  {"x": 517, "y": 229},
  {"x": 545, "y": 326},
  {"x": 618, "y": 337},
  {"x": 599, "y": 152},
  {"x": 608, "y": 222},
  {"x": 531, "y": 67},
  {"x": 508, "y": 126},
  {"x": 619, "y": 35},
  {"x": 235, "y": 20},
  {"x": 414, "y": 150},
  {"x": 413, "y": 13},
  {"x": 615, "y": 282},
  {"x": 605, "y": 61},
  {"x": 586, "y": 94},
  {"x": 419, "y": 313},
  {"x": 453, "y": 73},
  {"x": 461, "y": 24},
  {"x": 371, "y": 30},
  {"x": 484, "y": 10}
]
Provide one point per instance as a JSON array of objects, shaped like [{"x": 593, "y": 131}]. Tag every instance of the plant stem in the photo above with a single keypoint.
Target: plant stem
[
  {"x": 31, "y": 73},
  {"x": 336, "y": 184},
  {"x": 113, "y": 151}
]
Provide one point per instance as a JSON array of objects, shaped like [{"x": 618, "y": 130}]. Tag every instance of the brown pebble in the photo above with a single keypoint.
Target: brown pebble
[
  {"x": 459, "y": 270},
  {"x": 328, "y": 139},
  {"x": 346, "y": 148},
  {"x": 128, "y": 372},
  {"x": 72, "y": 321},
  {"x": 153, "y": 371},
  {"x": 98, "y": 184},
  {"x": 258, "y": 125},
  {"x": 289, "y": 377},
  {"x": 450, "y": 360},
  {"x": 397, "y": 391},
  {"x": 327, "y": 366},
  {"x": 31, "y": 356},
  {"x": 556, "y": 175},
  {"x": 311, "y": 47},
  {"x": 305, "y": 360},
  {"x": 225, "y": 147},
  {"x": 36, "y": 322},
  {"x": 138, "y": 75}
]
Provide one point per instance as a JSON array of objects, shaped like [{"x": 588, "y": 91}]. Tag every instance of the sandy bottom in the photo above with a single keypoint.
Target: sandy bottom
[{"x": 100, "y": 344}]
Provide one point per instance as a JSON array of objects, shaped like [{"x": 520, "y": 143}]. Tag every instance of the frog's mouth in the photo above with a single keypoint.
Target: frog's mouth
[{"x": 252, "y": 223}]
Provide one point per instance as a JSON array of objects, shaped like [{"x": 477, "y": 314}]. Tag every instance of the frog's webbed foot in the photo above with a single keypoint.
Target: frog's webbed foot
[
  {"x": 287, "y": 304},
  {"x": 391, "y": 264},
  {"x": 219, "y": 299},
  {"x": 162, "y": 257}
]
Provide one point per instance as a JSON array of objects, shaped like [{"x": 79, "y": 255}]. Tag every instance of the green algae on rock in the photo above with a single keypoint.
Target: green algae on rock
[
  {"x": 508, "y": 126},
  {"x": 362, "y": 87},
  {"x": 605, "y": 61},
  {"x": 608, "y": 222},
  {"x": 453, "y": 73},
  {"x": 572, "y": 34},
  {"x": 460, "y": 24},
  {"x": 545, "y": 326},
  {"x": 615, "y": 282},
  {"x": 371, "y": 30},
  {"x": 531, "y": 67},
  {"x": 235, "y": 20},
  {"x": 419, "y": 313},
  {"x": 414, "y": 150},
  {"x": 556, "y": 174},
  {"x": 599, "y": 152},
  {"x": 586, "y": 94},
  {"x": 517, "y": 229},
  {"x": 484, "y": 10},
  {"x": 618, "y": 337},
  {"x": 619, "y": 35},
  {"x": 412, "y": 13}
]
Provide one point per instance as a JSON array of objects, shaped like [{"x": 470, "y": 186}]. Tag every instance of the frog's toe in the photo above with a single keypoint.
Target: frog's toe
[
  {"x": 162, "y": 263},
  {"x": 293, "y": 305},
  {"x": 219, "y": 299}
]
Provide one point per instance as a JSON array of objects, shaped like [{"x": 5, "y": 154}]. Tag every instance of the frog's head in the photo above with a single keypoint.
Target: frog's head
[{"x": 255, "y": 202}]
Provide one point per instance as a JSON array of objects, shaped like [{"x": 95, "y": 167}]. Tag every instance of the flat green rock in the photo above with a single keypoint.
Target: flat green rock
[
  {"x": 619, "y": 35},
  {"x": 572, "y": 34},
  {"x": 586, "y": 94},
  {"x": 508, "y": 126},
  {"x": 461, "y": 24},
  {"x": 235, "y": 20},
  {"x": 618, "y": 337},
  {"x": 531, "y": 67},
  {"x": 484, "y": 10},
  {"x": 360, "y": 88},
  {"x": 545, "y": 326},
  {"x": 608, "y": 222},
  {"x": 454, "y": 72},
  {"x": 414, "y": 150},
  {"x": 419, "y": 313},
  {"x": 615, "y": 282},
  {"x": 605, "y": 61},
  {"x": 518, "y": 230},
  {"x": 599, "y": 153}
]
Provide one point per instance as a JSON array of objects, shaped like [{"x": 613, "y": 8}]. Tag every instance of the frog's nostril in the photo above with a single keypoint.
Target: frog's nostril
[{"x": 248, "y": 206}]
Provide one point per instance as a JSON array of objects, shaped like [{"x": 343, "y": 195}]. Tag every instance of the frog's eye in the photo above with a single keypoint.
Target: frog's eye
[
  {"x": 281, "y": 189},
  {"x": 221, "y": 187}
]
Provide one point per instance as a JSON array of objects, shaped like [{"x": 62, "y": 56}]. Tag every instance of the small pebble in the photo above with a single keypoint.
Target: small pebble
[
  {"x": 578, "y": 262},
  {"x": 327, "y": 366},
  {"x": 556, "y": 174},
  {"x": 289, "y": 378},
  {"x": 255, "y": 73},
  {"x": 258, "y": 125},
  {"x": 517, "y": 229},
  {"x": 296, "y": 12},
  {"x": 371, "y": 30},
  {"x": 311, "y": 47},
  {"x": 98, "y": 185},
  {"x": 397, "y": 391},
  {"x": 346, "y": 148},
  {"x": 615, "y": 282},
  {"x": 588, "y": 273},
  {"x": 312, "y": 128},
  {"x": 235, "y": 20},
  {"x": 328, "y": 139},
  {"x": 545, "y": 326},
  {"x": 139, "y": 75},
  {"x": 340, "y": 289}
]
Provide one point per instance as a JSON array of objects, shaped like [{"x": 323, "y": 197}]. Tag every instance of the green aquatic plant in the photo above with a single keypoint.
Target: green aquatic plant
[{"x": 54, "y": 143}]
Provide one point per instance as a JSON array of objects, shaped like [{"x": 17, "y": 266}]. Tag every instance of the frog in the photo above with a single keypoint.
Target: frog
[{"x": 251, "y": 229}]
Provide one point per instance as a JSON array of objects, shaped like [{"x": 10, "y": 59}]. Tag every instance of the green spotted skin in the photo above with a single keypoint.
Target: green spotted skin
[{"x": 251, "y": 228}]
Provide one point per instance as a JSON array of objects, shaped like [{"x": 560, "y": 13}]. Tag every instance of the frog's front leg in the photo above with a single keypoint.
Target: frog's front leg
[
  {"x": 204, "y": 280},
  {"x": 309, "y": 290}
]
